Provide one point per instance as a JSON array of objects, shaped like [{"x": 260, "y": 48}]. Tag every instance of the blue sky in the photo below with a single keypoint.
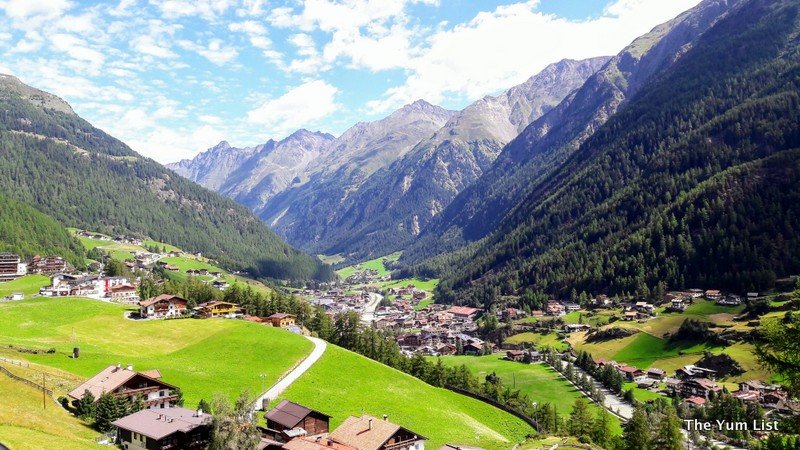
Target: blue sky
[{"x": 173, "y": 77}]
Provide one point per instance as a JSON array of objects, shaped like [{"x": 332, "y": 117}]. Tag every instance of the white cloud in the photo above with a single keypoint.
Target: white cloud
[
  {"x": 30, "y": 14},
  {"x": 504, "y": 47},
  {"x": 300, "y": 107},
  {"x": 207, "y": 9},
  {"x": 215, "y": 51}
]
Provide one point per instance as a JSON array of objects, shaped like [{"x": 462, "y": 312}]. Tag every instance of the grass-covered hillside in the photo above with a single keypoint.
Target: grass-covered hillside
[
  {"x": 200, "y": 356},
  {"x": 84, "y": 178},
  {"x": 343, "y": 383},
  {"x": 28, "y": 232}
]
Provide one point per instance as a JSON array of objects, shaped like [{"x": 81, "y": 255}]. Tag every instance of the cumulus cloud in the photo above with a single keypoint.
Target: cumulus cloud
[
  {"x": 215, "y": 51},
  {"x": 299, "y": 107},
  {"x": 30, "y": 14}
]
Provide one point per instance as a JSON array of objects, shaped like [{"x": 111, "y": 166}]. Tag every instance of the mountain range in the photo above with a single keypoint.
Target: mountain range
[
  {"x": 57, "y": 168},
  {"x": 371, "y": 190}
]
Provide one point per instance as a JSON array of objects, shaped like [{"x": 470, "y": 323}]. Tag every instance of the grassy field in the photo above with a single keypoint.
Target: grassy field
[
  {"x": 645, "y": 349},
  {"x": 26, "y": 425},
  {"x": 539, "y": 340},
  {"x": 28, "y": 285},
  {"x": 374, "y": 264},
  {"x": 540, "y": 382},
  {"x": 200, "y": 356},
  {"x": 343, "y": 383}
]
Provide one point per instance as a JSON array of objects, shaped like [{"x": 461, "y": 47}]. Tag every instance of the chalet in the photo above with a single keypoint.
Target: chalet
[
  {"x": 695, "y": 401},
  {"x": 573, "y": 327},
  {"x": 124, "y": 382},
  {"x": 644, "y": 307},
  {"x": 464, "y": 312},
  {"x": 699, "y": 387},
  {"x": 554, "y": 309},
  {"x": 515, "y": 355},
  {"x": 124, "y": 293},
  {"x": 629, "y": 372},
  {"x": 369, "y": 433},
  {"x": 318, "y": 443},
  {"x": 694, "y": 293},
  {"x": 473, "y": 348},
  {"x": 446, "y": 349},
  {"x": 691, "y": 371},
  {"x": 572, "y": 307},
  {"x": 213, "y": 309},
  {"x": 678, "y": 304},
  {"x": 163, "y": 306},
  {"x": 11, "y": 267},
  {"x": 172, "y": 268},
  {"x": 730, "y": 300},
  {"x": 656, "y": 374},
  {"x": 282, "y": 320},
  {"x": 289, "y": 416},
  {"x": 173, "y": 428},
  {"x": 602, "y": 301},
  {"x": 47, "y": 265},
  {"x": 220, "y": 284},
  {"x": 752, "y": 294},
  {"x": 713, "y": 294},
  {"x": 630, "y": 315}
]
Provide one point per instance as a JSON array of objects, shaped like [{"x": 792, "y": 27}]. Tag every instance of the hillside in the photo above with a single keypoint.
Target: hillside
[
  {"x": 549, "y": 141},
  {"x": 392, "y": 207},
  {"x": 27, "y": 232},
  {"x": 692, "y": 183},
  {"x": 197, "y": 356},
  {"x": 82, "y": 177}
]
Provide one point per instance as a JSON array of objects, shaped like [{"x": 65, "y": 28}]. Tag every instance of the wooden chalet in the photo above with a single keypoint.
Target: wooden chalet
[
  {"x": 282, "y": 320},
  {"x": 288, "y": 416},
  {"x": 163, "y": 306},
  {"x": 124, "y": 382},
  {"x": 217, "y": 309},
  {"x": 369, "y": 433},
  {"x": 168, "y": 429}
]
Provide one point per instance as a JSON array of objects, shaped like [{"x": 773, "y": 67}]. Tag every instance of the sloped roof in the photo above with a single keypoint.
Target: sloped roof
[
  {"x": 111, "y": 378},
  {"x": 366, "y": 432},
  {"x": 289, "y": 414},
  {"x": 304, "y": 443},
  {"x": 160, "y": 423},
  {"x": 153, "y": 300}
]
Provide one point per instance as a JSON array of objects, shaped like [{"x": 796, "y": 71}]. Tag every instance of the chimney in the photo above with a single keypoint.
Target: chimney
[
  {"x": 370, "y": 424},
  {"x": 129, "y": 367},
  {"x": 199, "y": 412},
  {"x": 160, "y": 416},
  {"x": 385, "y": 417}
]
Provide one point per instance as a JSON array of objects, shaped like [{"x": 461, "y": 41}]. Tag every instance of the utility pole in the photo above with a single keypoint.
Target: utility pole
[{"x": 44, "y": 393}]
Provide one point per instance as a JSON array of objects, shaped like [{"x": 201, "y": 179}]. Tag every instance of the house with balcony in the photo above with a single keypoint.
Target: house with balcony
[
  {"x": 169, "y": 429},
  {"x": 369, "y": 433},
  {"x": 162, "y": 307},
  {"x": 124, "y": 382},
  {"x": 213, "y": 309}
]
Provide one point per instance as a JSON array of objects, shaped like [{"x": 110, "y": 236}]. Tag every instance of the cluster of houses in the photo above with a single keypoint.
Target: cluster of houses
[
  {"x": 116, "y": 289},
  {"x": 337, "y": 300},
  {"x": 366, "y": 276},
  {"x": 12, "y": 266},
  {"x": 696, "y": 386},
  {"x": 162, "y": 424},
  {"x": 435, "y": 330},
  {"x": 120, "y": 239}
]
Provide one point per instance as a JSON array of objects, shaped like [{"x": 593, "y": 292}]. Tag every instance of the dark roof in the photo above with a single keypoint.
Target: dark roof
[{"x": 289, "y": 414}]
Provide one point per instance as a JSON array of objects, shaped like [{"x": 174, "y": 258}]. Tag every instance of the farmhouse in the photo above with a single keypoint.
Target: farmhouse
[
  {"x": 11, "y": 267},
  {"x": 213, "y": 309},
  {"x": 173, "y": 428},
  {"x": 554, "y": 308},
  {"x": 368, "y": 433},
  {"x": 163, "y": 306},
  {"x": 700, "y": 387},
  {"x": 289, "y": 416},
  {"x": 124, "y": 382},
  {"x": 629, "y": 372},
  {"x": 679, "y": 304},
  {"x": 691, "y": 371},
  {"x": 713, "y": 294},
  {"x": 282, "y": 320},
  {"x": 656, "y": 374}
]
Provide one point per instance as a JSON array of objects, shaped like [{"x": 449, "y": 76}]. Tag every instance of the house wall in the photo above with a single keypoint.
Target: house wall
[{"x": 315, "y": 424}]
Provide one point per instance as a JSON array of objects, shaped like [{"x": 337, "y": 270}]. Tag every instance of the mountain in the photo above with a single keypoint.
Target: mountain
[
  {"x": 302, "y": 212},
  {"x": 693, "y": 181},
  {"x": 80, "y": 176},
  {"x": 212, "y": 167},
  {"x": 394, "y": 204},
  {"x": 28, "y": 232},
  {"x": 550, "y": 140}
]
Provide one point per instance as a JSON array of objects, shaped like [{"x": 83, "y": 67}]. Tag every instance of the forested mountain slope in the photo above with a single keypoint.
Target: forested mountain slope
[
  {"x": 54, "y": 160},
  {"x": 27, "y": 232},
  {"x": 694, "y": 182},
  {"x": 388, "y": 211},
  {"x": 549, "y": 141}
]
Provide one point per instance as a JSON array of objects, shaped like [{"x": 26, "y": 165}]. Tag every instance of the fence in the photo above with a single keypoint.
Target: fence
[
  {"x": 488, "y": 400},
  {"x": 33, "y": 384}
]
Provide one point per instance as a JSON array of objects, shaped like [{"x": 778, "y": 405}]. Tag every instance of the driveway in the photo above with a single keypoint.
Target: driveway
[{"x": 278, "y": 388}]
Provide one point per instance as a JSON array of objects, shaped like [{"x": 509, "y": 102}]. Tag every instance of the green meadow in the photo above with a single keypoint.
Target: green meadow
[
  {"x": 200, "y": 356},
  {"x": 28, "y": 285},
  {"x": 343, "y": 383}
]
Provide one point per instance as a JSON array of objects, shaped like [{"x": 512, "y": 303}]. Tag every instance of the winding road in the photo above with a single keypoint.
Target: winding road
[
  {"x": 278, "y": 388},
  {"x": 368, "y": 315}
]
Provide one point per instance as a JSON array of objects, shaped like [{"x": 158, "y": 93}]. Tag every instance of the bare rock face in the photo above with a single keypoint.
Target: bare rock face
[{"x": 11, "y": 85}]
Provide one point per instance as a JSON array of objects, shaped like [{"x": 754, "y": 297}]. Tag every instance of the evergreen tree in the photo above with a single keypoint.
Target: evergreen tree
[
  {"x": 636, "y": 433},
  {"x": 601, "y": 428},
  {"x": 107, "y": 410},
  {"x": 85, "y": 407},
  {"x": 232, "y": 426},
  {"x": 668, "y": 436},
  {"x": 580, "y": 421}
]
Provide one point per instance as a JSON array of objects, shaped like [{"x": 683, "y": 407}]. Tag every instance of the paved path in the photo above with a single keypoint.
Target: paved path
[
  {"x": 284, "y": 383},
  {"x": 368, "y": 315}
]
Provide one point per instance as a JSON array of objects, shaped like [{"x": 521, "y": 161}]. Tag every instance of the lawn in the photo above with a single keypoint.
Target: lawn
[
  {"x": 374, "y": 264},
  {"x": 540, "y": 382},
  {"x": 26, "y": 425},
  {"x": 642, "y": 395},
  {"x": 646, "y": 348},
  {"x": 425, "y": 285},
  {"x": 343, "y": 383},
  {"x": 200, "y": 356},
  {"x": 28, "y": 285},
  {"x": 541, "y": 341}
]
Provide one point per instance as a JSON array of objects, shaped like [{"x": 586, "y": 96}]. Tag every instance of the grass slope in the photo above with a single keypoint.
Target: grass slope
[
  {"x": 200, "y": 356},
  {"x": 343, "y": 383},
  {"x": 28, "y": 285},
  {"x": 540, "y": 382},
  {"x": 25, "y": 425}
]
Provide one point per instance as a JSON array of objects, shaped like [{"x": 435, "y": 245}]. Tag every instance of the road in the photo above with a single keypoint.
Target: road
[
  {"x": 278, "y": 388},
  {"x": 368, "y": 315}
]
